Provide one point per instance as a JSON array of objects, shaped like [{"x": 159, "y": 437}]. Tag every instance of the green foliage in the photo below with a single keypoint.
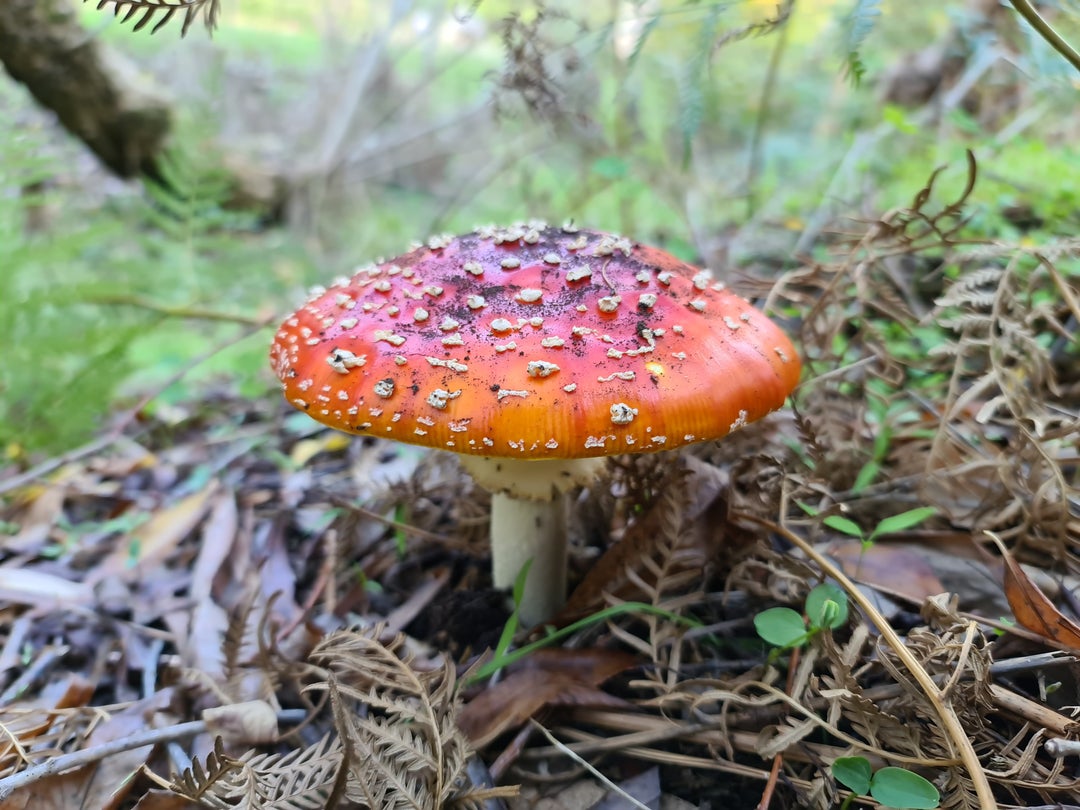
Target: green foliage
[
  {"x": 856, "y": 27},
  {"x": 853, "y": 773},
  {"x": 892, "y": 787},
  {"x": 92, "y": 303},
  {"x": 660, "y": 154},
  {"x": 61, "y": 359},
  {"x": 826, "y": 608},
  {"x": 889, "y": 525},
  {"x": 692, "y": 81},
  {"x": 781, "y": 627},
  {"x": 503, "y": 656}
]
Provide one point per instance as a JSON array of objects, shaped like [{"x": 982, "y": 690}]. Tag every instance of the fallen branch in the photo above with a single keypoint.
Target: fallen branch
[{"x": 88, "y": 756}]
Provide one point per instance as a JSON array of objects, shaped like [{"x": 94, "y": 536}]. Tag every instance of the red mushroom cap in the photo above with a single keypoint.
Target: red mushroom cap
[{"x": 534, "y": 342}]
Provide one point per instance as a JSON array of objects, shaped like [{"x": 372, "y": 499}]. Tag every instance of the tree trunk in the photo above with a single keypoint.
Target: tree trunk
[{"x": 95, "y": 94}]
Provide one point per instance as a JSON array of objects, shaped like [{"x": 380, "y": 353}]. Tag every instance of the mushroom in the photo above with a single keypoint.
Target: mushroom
[{"x": 533, "y": 352}]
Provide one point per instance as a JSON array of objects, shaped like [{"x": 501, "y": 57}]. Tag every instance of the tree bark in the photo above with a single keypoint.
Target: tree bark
[{"x": 95, "y": 94}]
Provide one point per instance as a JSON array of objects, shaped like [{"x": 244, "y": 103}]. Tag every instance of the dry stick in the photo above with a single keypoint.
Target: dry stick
[
  {"x": 193, "y": 313},
  {"x": 88, "y": 756},
  {"x": 55, "y": 463},
  {"x": 1046, "y": 31},
  {"x": 757, "y": 138},
  {"x": 954, "y": 729},
  {"x": 778, "y": 760},
  {"x": 618, "y": 791}
]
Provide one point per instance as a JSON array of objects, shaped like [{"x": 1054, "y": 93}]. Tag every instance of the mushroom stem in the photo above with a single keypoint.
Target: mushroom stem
[
  {"x": 528, "y": 522},
  {"x": 530, "y": 530}
]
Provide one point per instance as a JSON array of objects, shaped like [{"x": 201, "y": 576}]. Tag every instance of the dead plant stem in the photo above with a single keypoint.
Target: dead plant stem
[
  {"x": 778, "y": 760},
  {"x": 194, "y": 313},
  {"x": 761, "y": 122},
  {"x": 1046, "y": 31},
  {"x": 954, "y": 729},
  {"x": 618, "y": 791}
]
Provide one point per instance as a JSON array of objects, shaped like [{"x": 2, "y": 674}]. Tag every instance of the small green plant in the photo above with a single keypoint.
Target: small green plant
[
  {"x": 889, "y": 525},
  {"x": 891, "y": 787},
  {"x": 826, "y": 607}
]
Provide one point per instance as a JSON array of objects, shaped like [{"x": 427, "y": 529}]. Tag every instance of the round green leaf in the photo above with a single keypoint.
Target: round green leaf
[
  {"x": 780, "y": 626},
  {"x": 903, "y": 790},
  {"x": 853, "y": 773},
  {"x": 815, "y": 606}
]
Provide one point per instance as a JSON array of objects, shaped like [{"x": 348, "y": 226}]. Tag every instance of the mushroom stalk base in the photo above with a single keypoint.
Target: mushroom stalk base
[
  {"x": 530, "y": 530},
  {"x": 528, "y": 522}
]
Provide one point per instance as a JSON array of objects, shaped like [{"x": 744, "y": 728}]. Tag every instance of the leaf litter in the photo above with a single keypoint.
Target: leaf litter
[{"x": 195, "y": 614}]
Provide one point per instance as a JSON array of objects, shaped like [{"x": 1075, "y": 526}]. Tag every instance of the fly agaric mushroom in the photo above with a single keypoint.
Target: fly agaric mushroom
[{"x": 533, "y": 352}]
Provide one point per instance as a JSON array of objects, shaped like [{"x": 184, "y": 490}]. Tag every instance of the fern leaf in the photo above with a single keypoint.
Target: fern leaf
[
  {"x": 643, "y": 37},
  {"x": 691, "y": 94},
  {"x": 856, "y": 26},
  {"x": 201, "y": 784},
  {"x": 163, "y": 11},
  {"x": 396, "y": 722},
  {"x": 299, "y": 780}
]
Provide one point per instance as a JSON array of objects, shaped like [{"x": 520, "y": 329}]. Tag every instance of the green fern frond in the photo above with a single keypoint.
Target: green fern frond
[
  {"x": 856, "y": 26},
  {"x": 643, "y": 37},
  {"x": 692, "y": 80}
]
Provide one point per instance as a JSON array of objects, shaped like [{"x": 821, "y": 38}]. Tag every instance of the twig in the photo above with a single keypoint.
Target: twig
[
  {"x": 954, "y": 729},
  {"x": 778, "y": 760},
  {"x": 44, "y": 662},
  {"x": 194, "y": 313},
  {"x": 88, "y": 756},
  {"x": 1046, "y": 31},
  {"x": 55, "y": 463},
  {"x": 757, "y": 138},
  {"x": 589, "y": 767}
]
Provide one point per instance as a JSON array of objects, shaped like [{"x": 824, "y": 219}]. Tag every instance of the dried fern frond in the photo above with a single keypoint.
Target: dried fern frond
[
  {"x": 164, "y": 10},
  {"x": 397, "y": 723},
  {"x": 206, "y": 784},
  {"x": 299, "y": 780}
]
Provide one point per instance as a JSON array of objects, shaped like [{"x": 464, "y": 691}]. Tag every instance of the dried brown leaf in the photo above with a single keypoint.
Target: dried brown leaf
[
  {"x": 396, "y": 722},
  {"x": 1032, "y": 609},
  {"x": 218, "y": 534},
  {"x": 163, "y": 800},
  {"x": 301, "y": 779},
  {"x": 639, "y": 565},
  {"x": 252, "y": 722},
  {"x": 150, "y": 544},
  {"x": 104, "y": 784},
  {"x": 898, "y": 569},
  {"x": 550, "y": 678}
]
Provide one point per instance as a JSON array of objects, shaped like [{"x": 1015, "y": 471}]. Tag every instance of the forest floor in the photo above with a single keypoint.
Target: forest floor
[
  {"x": 868, "y": 598},
  {"x": 217, "y": 603}
]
